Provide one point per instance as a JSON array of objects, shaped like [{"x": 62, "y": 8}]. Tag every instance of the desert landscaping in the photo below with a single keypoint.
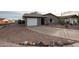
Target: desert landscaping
[
  {"x": 17, "y": 34},
  {"x": 40, "y": 30}
]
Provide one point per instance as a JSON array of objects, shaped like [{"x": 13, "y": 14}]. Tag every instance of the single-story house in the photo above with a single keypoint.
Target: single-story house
[
  {"x": 51, "y": 18},
  {"x": 36, "y": 19},
  {"x": 4, "y": 21},
  {"x": 72, "y": 19}
]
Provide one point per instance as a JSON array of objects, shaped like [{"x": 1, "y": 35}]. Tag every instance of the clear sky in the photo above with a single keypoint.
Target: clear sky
[{"x": 43, "y": 6}]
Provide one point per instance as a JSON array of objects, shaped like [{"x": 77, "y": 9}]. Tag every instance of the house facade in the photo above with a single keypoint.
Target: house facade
[
  {"x": 72, "y": 19},
  {"x": 51, "y": 18},
  {"x": 4, "y": 21},
  {"x": 36, "y": 19}
]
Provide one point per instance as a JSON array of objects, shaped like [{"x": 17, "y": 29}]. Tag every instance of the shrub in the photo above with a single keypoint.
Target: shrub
[
  {"x": 21, "y": 22},
  {"x": 61, "y": 22},
  {"x": 78, "y": 20}
]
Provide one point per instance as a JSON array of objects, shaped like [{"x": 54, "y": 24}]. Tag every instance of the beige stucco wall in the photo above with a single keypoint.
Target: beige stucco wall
[
  {"x": 71, "y": 20},
  {"x": 54, "y": 19},
  {"x": 38, "y": 21}
]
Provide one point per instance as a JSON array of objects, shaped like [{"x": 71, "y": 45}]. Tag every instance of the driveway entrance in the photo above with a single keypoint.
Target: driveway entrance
[{"x": 63, "y": 33}]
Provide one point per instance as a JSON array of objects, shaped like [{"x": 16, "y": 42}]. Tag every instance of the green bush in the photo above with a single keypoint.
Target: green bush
[
  {"x": 61, "y": 21},
  {"x": 21, "y": 22},
  {"x": 78, "y": 20}
]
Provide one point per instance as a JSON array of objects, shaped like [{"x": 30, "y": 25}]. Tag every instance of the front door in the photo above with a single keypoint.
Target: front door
[{"x": 42, "y": 21}]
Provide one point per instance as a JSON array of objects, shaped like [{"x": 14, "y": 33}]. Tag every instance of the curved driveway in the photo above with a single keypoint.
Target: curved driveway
[{"x": 58, "y": 32}]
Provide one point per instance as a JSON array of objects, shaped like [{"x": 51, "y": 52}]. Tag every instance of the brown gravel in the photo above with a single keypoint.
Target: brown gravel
[{"x": 8, "y": 44}]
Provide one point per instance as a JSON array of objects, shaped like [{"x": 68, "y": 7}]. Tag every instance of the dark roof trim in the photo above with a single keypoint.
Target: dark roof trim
[
  {"x": 34, "y": 17},
  {"x": 51, "y": 14},
  {"x": 69, "y": 16}
]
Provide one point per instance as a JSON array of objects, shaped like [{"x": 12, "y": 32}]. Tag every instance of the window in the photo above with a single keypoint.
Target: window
[{"x": 50, "y": 20}]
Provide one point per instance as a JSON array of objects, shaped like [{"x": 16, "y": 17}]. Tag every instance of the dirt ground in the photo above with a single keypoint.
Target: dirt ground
[
  {"x": 19, "y": 33},
  {"x": 8, "y": 44}
]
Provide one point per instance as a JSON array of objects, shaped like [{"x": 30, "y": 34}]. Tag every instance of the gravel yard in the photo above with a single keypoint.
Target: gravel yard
[
  {"x": 1, "y": 27},
  {"x": 8, "y": 44},
  {"x": 16, "y": 34}
]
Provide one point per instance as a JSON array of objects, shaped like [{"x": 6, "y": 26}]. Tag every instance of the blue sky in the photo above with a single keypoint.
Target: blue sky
[{"x": 11, "y": 14}]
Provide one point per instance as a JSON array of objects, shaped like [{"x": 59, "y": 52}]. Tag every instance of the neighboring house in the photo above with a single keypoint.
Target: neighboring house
[
  {"x": 72, "y": 19},
  {"x": 3, "y": 21},
  {"x": 36, "y": 19},
  {"x": 51, "y": 18}
]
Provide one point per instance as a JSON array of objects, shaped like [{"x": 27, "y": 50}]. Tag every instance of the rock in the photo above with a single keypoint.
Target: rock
[
  {"x": 59, "y": 43},
  {"x": 68, "y": 46},
  {"x": 76, "y": 45},
  {"x": 52, "y": 43},
  {"x": 40, "y": 44},
  {"x": 33, "y": 44},
  {"x": 26, "y": 42},
  {"x": 69, "y": 42},
  {"x": 23, "y": 43}
]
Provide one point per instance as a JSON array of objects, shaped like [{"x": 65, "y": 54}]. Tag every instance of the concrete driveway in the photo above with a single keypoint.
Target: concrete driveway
[{"x": 63, "y": 33}]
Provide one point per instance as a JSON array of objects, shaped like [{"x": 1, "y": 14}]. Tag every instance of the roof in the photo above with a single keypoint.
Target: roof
[
  {"x": 50, "y": 14},
  {"x": 2, "y": 19},
  {"x": 69, "y": 16},
  {"x": 33, "y": 15}
]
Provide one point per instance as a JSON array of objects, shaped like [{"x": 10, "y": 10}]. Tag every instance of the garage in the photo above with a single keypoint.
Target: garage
[{"x": 31, "y": 21}]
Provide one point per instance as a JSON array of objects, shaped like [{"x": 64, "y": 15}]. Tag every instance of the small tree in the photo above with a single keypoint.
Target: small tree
[
  {"x": 19, "y": 22},
  {"x": 22, "y": 21},
  {"x": 61, "y": 21}
]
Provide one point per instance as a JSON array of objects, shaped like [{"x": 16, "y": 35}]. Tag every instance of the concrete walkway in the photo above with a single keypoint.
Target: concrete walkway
[{"x": 63, "y": 33}]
